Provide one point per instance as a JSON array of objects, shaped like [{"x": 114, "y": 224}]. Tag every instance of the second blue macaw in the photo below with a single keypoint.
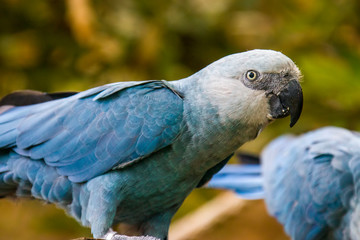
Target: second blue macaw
[
  {"x": 132, "y": 151},
  {"x": 309, "y": 183}
]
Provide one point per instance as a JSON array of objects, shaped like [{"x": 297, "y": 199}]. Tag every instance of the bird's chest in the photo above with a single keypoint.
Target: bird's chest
[
  {"x": 163, "y": 180},
  {"x": 155, "y": 185}
]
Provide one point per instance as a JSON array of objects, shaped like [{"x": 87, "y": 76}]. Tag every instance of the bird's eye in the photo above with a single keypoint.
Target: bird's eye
[{"x": 252, "y": 75}]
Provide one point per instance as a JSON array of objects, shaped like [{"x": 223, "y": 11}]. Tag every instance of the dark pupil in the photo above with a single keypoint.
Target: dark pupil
[{"x": 251, "y": 75}]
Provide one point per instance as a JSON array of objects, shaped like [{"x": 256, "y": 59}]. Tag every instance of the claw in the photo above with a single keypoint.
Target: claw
[
  {"x": 112, "y": 235},
  {"x": 123, "y": 237}
]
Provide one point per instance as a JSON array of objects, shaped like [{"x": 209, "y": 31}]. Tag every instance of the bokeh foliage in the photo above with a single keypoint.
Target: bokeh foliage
[
  {"x": 77, "y": 44},
  {"x": 74, "y": 45}
]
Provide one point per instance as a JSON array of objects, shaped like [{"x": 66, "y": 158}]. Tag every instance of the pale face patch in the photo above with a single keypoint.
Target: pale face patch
[{"x": 235, "y": 101}]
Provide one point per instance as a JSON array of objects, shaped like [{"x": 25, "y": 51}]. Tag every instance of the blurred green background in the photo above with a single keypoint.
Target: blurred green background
[{"x": 77, "y": 44}]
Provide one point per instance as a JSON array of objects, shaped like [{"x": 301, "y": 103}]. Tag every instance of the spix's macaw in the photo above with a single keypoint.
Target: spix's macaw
[
  {"x": 310, "y": 183},
  {"x": 132, "y": 151}
]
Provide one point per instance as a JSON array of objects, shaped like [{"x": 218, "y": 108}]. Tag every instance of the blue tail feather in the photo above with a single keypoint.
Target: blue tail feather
[{"x": 244, "y": 179}]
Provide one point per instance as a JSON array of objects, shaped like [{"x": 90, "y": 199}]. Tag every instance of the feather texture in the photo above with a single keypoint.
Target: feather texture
[
  {"x": 83, "y": 137},
  {"x": 312, "y": 183}
]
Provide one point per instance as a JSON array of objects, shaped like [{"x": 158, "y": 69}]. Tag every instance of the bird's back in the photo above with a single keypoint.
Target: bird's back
[{"x": 311, "y": 183}]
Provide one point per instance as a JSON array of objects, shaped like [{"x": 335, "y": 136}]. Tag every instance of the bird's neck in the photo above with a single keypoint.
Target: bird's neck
[{"x": 218, "y": 118}]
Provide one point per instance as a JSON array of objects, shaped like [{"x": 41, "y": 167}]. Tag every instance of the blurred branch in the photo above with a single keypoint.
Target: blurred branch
[
  {"x": 218, "y": 209},
  {"x": 81, "y": 20}
]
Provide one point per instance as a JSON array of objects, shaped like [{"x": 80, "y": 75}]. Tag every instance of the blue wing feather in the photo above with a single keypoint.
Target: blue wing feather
[{"x": 94, "y": 131}]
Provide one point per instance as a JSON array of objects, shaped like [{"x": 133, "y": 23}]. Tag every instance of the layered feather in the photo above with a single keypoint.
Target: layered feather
[
  {"x": 312, "y": 183},
  {"x": 97, "y": 130}
]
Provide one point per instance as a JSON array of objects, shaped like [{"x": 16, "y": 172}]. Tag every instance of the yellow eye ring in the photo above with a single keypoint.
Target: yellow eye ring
[{"x": 252, "y": 75}]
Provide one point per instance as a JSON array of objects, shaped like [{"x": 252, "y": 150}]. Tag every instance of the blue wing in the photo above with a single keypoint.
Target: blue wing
[
  {"x": 96, "y": 130},
  {"x": 310, "y": 181}
]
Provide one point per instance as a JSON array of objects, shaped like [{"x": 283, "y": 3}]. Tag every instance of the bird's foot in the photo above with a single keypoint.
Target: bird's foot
[
  {"x": 123, "y": 237},
  {"x": 115, "y": 236}
]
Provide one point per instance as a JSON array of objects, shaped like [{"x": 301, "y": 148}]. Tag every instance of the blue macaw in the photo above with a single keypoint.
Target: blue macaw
[
  {"x": 309, "y": 183},
  {"x": 131, "y": 152}
]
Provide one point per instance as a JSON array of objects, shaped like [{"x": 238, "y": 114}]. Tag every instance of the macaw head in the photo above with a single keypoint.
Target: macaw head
[{"x": 264, "y": 84}]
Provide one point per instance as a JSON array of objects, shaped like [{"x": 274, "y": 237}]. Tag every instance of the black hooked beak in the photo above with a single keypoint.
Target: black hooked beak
[{"x": 288, "y": 102}]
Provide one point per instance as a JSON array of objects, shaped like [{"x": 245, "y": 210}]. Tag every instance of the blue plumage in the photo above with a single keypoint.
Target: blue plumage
[
  {"x": 246, "y": 180},
  {"x": 131, "y": 152},
  {"x": 311, "y": 183},
  {"x": 32, "y": 178},
  {"x": 91, "y": 141},
  {"x": 315, "y": 178}
]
